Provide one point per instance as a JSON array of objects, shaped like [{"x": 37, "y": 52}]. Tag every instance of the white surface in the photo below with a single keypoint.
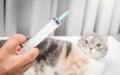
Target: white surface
[{"x": 112, "y": 58}]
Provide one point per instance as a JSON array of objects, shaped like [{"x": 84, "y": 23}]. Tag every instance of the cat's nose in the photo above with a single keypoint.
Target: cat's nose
[{"x": 90, "y": 48}]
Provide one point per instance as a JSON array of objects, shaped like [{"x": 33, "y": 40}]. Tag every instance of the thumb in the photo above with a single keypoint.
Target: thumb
[{"x": 28, "y": 56}]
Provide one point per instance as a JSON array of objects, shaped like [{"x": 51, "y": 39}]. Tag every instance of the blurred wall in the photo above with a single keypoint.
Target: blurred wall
[{"x": 29, "y": 16}]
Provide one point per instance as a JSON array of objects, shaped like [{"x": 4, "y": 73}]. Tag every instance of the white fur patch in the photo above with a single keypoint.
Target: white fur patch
[{"x": 49, "y": 71}]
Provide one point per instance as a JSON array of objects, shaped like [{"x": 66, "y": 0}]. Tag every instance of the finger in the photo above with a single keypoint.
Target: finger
[
  {"x": 26, "y": 67},
  {"x": 13, "y": 42},
  {"x": 18, "y": 48},
  {"x": 28, "y": 56}
]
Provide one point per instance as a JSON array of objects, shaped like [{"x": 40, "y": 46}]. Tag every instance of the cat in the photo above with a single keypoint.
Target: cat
[{"x": 58, "y": 57}]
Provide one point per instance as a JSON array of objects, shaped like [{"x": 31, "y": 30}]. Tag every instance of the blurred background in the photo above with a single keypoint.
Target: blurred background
[{"x": 29, "y": 16}]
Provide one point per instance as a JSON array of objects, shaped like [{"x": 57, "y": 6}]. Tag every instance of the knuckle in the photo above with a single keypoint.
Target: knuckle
[{"x": 19, "y": 37}]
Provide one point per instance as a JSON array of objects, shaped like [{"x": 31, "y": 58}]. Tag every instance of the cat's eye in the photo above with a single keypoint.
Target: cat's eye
[
  {"x": 98, "y": 45},
  {"x": 86, "y": 42}
]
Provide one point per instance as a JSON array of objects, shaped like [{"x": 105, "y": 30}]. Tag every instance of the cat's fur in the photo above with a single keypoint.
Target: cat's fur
[{"x": 59, "y": 57}]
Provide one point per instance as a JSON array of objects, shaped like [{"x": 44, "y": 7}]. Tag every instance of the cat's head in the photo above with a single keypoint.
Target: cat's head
[{"x": 93, "y": 45}]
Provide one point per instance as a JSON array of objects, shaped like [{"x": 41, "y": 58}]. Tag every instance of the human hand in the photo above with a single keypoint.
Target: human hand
[{"x": 10, "y": 62}]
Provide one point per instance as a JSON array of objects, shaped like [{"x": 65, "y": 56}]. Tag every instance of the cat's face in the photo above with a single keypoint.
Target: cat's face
[{"x": 93, "y": 45}]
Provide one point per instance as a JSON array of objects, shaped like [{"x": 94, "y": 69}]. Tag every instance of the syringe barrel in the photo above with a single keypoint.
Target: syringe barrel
[{"x": 41, "y": 35}]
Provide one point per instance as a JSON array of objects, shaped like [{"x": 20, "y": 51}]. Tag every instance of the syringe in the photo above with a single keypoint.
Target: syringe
[{"x": 43, "y": 33}]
